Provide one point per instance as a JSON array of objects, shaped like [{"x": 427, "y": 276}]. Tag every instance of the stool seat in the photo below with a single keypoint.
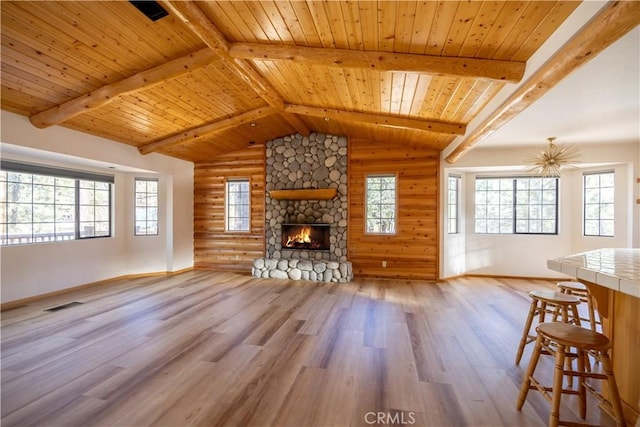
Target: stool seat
[
  {"x": 554, "y": 303},
  {"x": 574, "y": 286},
  {"x": 574, "y": 336},
  {"x": 554, "y": 297}
]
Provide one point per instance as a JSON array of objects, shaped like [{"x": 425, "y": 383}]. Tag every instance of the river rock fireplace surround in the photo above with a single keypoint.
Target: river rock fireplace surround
[{"x": 295, "y": 162}]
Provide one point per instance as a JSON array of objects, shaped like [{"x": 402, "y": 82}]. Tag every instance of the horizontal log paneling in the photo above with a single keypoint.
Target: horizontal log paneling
[
  {"x": 214, "y": 248},
  {"x": 413, "y": 251}
]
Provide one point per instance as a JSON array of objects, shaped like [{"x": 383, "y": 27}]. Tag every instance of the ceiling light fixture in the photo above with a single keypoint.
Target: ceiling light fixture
[
  {"x": 326, "y": 119},
  {"x": 252, "y": 125},
  {"x": 552, "y": 159}
]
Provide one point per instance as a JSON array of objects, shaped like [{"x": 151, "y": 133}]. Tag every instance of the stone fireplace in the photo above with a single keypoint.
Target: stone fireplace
[{"x": 295, "y": 162}]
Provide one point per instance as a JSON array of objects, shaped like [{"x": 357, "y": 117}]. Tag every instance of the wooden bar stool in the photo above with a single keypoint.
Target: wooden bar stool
[
  {"x": 565, "y": 337},
  {"x": 581, "y": 291},
  {"x": 548, "y": 302}
]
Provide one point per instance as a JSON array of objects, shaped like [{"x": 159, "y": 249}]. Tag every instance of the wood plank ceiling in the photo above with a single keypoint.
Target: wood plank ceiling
[{"x": 211, "y": 77}]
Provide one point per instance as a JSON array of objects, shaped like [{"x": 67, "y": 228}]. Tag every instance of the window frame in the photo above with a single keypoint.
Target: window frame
[
  {"x": 227, "y": 205},
  {"x": 79, "y": 206},
  {"x": 514, "y": 206},
  {"x": 450, "y": 220},
  {"x": 54, "y": 175},
  {"x": 146, "y": 207},
  {"x": 395, "y": 204},
  {"x": 584, "y": 202}
]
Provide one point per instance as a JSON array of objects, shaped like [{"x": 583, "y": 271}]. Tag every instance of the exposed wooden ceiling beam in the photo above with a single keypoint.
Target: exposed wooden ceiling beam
[
  {"x": 613, "y": 21},
  {"x": 200, "y": 24},
  {"x": 142, "y": 80},
  {"x": 379, "y": 119},
  {"x": 209, "y": 128},
  {"x": 490, "y": 69}
]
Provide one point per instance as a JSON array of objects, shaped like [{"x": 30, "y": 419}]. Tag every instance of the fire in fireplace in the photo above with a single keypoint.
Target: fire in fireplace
[{"x": 310, "y": 237}]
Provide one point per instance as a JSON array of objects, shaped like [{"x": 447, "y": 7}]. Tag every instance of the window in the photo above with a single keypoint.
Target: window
[
  {"x": 381, "y": 204},
  {"x": 598, "y": 204},
  {"x": 146, "y": 196},
  {"x": 453, "y": 203},
  {"x": 95, "y": 209},
  {"x": 44, "y": 204},
  {"x": 516, "y": 205},
  {"x": 237, "y": 205}
]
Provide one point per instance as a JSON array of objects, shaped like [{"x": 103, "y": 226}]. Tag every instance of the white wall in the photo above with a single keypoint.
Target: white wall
[
  {"x": 34, "y": 269},
  {"x": 526, "y": 255}
]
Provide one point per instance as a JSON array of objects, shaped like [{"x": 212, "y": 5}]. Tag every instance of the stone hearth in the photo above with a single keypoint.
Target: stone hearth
[{"x": 294, "y": 269}]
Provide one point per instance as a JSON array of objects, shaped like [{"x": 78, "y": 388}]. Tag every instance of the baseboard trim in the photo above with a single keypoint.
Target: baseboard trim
[
  {"x": 500, "y": 276},
  {"x": 24, "y": 301}
]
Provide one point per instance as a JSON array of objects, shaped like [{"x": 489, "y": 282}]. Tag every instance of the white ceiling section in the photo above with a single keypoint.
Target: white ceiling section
[{"x": 598, "y": 103}]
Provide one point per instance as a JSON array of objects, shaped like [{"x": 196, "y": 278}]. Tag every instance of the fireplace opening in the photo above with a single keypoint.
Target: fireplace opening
[{"x": 310, "y": 237}]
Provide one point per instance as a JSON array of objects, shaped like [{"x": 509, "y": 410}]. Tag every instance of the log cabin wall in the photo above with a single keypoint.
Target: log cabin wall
[
  {"x": 214, "y": 248},
  {"x": 413, "y": 251}
]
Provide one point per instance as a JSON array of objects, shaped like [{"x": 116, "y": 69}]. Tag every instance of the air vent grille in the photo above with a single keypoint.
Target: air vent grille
[
  {"x": 151, "y": 9},
  {"x": 63, "y": 306}
]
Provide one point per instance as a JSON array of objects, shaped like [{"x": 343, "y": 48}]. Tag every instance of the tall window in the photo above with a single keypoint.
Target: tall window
[
  {"x": 95, "y": 209},
  {"x": 453, "y": 200},
  {"x": 381, "y": 204},
  {"x": 44, "y": 204},
  {"x": 146, "y": 196},
  {"x": 598, "y": 203},
  {"x": 516, "y": 205},
  {"x": 237, "y": 205}
]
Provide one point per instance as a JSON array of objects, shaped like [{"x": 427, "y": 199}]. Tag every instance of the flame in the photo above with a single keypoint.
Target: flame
[{"x": 303, "y": 236}]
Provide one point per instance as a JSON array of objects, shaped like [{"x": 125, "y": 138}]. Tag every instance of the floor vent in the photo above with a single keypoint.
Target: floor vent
[{"x": 63, "y": 306}]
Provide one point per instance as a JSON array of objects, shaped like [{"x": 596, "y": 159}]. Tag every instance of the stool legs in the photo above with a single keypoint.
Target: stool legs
[
  {"x": 592, "y": 313},
  {"x": 558, "y": 375},
  {"x": 525, "y": 333},
  {"x": 564, "y": 338},
  {"x": 614, "y": 396},
  {"x": 533, "y": 362},
  {"x": 582, "y": 390},
  {"x": 565, "y": 310}
]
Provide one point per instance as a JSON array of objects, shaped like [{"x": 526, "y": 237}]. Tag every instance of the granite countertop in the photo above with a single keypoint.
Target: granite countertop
[{"x": 614, "y": 268}]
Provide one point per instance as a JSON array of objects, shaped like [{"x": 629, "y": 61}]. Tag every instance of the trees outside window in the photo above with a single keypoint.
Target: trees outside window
[
  {"x": 380, "y": 204},
  {"x": 146, "y": 199},
  {"x": 43, "y": 204},
  {"x": 516, "y": 205},
  {"x": 237, "y": 207},
  {"x": 599, "y": 193}
]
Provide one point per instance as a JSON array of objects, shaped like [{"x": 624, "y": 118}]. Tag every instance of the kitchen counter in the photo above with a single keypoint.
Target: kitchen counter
[{"x": 613, "y": 268}]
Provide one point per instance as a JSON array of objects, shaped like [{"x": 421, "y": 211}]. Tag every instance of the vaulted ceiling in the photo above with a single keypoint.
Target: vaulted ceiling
[{"x": 212, "y": 77}]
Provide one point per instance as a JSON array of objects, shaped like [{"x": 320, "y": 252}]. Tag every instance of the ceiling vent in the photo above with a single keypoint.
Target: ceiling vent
[{"x": 151, "y": 9}]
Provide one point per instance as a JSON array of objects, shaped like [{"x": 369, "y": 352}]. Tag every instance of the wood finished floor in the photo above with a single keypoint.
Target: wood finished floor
[{"x": 212, "y": 349}]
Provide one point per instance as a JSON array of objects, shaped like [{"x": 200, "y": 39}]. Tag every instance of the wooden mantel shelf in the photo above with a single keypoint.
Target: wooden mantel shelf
[{"x": 304, "y": 194}]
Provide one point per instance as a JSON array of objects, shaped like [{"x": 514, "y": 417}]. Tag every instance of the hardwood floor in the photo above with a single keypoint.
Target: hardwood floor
[{"x": 211, "y": 349}]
